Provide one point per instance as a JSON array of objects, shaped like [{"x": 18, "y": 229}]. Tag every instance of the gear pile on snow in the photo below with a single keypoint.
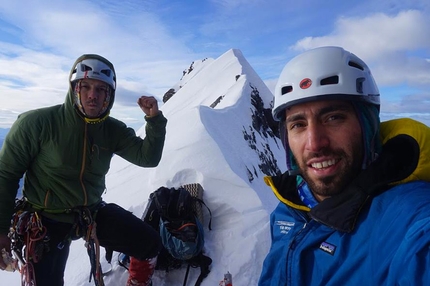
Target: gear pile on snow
[{"x": 177, "y": 215}]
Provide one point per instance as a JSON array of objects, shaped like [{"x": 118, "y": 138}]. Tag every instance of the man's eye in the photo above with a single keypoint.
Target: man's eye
[
  {"x": 101, "y": 89},
  {"x": 336, "y": 117},
  {"x": 295, "y": 125}
]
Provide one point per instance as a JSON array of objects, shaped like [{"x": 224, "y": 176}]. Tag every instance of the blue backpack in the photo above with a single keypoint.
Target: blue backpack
[
  {"x": 177, "y": 216},
  {"x": 180, "y": 230},
  {"x": 176, "y": 213}
]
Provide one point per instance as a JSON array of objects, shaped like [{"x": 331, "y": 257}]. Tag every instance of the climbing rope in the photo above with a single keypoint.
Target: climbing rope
[
  {"x": 27, "y": 230},
  {"x": 92, "y": 244}
]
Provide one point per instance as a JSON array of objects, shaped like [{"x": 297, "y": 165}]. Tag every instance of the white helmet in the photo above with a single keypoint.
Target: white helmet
[
  {"x": 329, "y": 72},
  {"x": 94, "y": 69}
]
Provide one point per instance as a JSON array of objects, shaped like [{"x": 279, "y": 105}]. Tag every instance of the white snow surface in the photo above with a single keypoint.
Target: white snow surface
[{"x": 203, "y": 145}]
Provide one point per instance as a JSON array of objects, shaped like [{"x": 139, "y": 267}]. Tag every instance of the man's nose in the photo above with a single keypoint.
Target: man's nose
[
  {"x": 317, "y": 138},
  {"x": 92, "y": 93}
]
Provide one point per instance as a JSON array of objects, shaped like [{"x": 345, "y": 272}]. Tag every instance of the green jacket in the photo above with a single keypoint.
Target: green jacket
[{"x": 65, "y": 159}]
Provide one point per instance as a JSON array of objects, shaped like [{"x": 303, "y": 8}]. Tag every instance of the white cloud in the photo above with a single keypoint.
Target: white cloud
[
  {"x": 376, "y": 34},
  {"x": 47, "y": 41},
  {"x": 393, "y": 46},
  {"x": 151, "y": 43}
]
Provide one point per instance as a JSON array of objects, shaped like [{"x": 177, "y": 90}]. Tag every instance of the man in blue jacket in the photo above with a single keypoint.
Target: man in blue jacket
[{"x": 354, "y": 202}]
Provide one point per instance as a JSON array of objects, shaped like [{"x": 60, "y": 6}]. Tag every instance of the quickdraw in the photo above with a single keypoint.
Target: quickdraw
[
  {"x": 29, "y": 242},
  {"x": 85, "y": 226},
  {"x": 93, "y": 248}
]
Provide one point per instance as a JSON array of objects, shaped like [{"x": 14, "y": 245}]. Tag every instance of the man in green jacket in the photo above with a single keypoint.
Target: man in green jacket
[{"x": 65, "y": 153}]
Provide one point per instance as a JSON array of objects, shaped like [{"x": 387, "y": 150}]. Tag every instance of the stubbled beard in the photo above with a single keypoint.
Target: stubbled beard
[
  {"x": 333, "y": 185},
  {"x": 88, "y": 102}
]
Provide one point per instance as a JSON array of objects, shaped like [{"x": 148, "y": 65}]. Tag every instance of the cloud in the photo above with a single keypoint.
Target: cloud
[
  {"x": 118, "y": 31},
  {"x": 393, "y": 46},
  {"x": 47, "y": 41},
  {"x": 381, "y": 32},
  {"x": 411, "y": 103},
  {"x": 152, "y": 42},
  {"x": 31, "y": 78}
]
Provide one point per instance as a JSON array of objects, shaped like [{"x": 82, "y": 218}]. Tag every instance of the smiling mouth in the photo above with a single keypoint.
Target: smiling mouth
[{"x": 323, "y": 164}]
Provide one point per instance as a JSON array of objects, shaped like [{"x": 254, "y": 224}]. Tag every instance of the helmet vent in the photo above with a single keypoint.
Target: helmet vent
[
  {"x": 330, "y": 80},
  {"x": 286, "y": 89},
  {"x": 355, "y": 65},
  {"x": 85, "y": 68},
  {"x": 106, "y": 72}
]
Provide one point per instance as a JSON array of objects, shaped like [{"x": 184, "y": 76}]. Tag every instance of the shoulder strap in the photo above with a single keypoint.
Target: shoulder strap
[
  {"x": 184, "y": 201},
  {"x": 201, "y": 261},
  {"x": 161, "y": 198},
  {"x": 201, "y": 202},
  {"x": 204, "y": 262}
]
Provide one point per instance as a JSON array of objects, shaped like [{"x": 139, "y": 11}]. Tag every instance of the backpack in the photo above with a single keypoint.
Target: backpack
[{"x": 176, "y": 213}]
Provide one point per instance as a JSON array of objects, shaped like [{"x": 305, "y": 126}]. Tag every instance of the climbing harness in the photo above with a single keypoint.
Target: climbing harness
[{"x": 29, "y": 240}]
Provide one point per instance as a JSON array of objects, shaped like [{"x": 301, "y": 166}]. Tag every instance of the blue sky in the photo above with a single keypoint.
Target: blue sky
[{"x": 152, "y": 42}]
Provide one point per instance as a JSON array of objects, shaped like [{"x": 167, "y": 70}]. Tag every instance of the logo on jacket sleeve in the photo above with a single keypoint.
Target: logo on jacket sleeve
[{"x": 284, "y": 226}]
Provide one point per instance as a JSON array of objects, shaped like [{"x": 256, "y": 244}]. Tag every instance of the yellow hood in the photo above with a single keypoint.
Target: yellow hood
[{"x": 421, "y": 133}]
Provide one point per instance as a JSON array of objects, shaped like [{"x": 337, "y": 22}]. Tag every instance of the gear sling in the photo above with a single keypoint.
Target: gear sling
[
  {"x": 30, "y": 239},
  {"x": 117, "y": 230}
]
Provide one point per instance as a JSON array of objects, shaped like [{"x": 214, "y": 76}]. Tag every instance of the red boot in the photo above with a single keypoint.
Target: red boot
[{"x": 141, "y": 271}]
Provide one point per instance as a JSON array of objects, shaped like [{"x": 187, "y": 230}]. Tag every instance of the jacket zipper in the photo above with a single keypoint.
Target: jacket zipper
[
  {"x": 81, "y": 175},
  {"x": 291, "y": 248}
]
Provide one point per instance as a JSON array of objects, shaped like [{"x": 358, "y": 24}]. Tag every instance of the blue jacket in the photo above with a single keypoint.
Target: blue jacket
[{"x": 377, "y": 232}]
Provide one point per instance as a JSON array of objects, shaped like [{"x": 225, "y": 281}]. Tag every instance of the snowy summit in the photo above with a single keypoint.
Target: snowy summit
[{"x": 220, "y": 134}]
